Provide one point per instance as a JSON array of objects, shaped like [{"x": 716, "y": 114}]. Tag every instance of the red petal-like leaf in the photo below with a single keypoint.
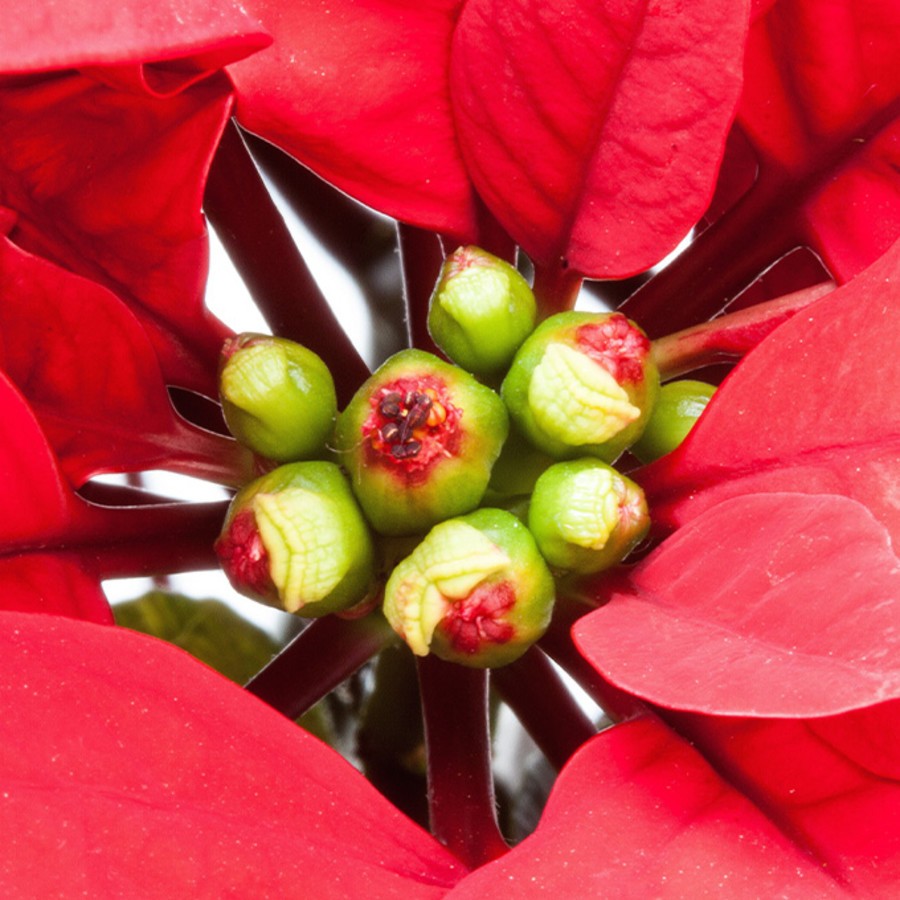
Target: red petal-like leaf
[
  {"x": 834, "y": 783},
  {"x": 180, "y": 41},
  {"x": 112, "y": 191},
  {"x": 360, "y": 93},
  {"x": 146, "y": 772},
  {"x": 638, "y": 813},
  {"x": 55, "y": 547},
  {"x": 769, "y": 605},
  {"x": 594, "y": 131},
  {"x": 813, "y": 409},
  {"x": 821, "y": 105},
  {"x": 89, "y": 371}
]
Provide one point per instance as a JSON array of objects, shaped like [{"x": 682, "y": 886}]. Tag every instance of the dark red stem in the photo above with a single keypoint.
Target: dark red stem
[
  {"x": 533, "y": 689},
  {"x": 323, "y": 655},
  {"x": 260, "y": 244},
  {"x": 457, "y": 742},
  {"x": 421, "y": 258},
  {"x": 555, "y": 289},
  {"x": 128, "y": 541},
  {"x": 557, "y": 643}
]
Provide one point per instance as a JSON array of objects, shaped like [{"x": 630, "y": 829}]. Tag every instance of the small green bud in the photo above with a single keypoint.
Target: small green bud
[
  {"x": 582, "y": 384},
  {"x": 296, "y": 539},
  {"x": 278, "y": 397},
  {"x": 475, "y": 591},
  {"x": 677, "y": 409},
  {"x": 419, "y": 440},
  {"x": 585, "y": 516},
  {"x": 481, "y": 311}
]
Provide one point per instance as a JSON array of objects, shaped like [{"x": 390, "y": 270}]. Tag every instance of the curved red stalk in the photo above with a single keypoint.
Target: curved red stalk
[
  {"x": 543, "y": 704},
  {"x": 557, "y": 643},
  {"x": 457, "y": 743},
  {"x": 555, "y": 289},
  {"x": 263, "y": 251},
  {"x": 730, "y": 336},
  {"x": 327, "y": 652}
]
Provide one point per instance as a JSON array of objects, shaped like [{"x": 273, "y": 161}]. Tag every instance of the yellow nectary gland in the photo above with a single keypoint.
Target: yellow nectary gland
[
  {"x": 575, "y": 400},
  {"x": 446, "y": 569},
  {"x": 301, "y": 531}
]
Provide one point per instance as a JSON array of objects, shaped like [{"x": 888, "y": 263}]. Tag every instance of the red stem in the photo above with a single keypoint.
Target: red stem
[
  {"x": 729, "y": 336},
  {"x": 262, "y": 249},
  {"x": 324, "y": 654},
  {"x": 555, "y": 289},
  {"x": 457, "y": 742},
  {"x": 557, "y": 643},
  {"x": 534, "y": 691},
  {"x": 421, "y": 258},
  {"x": 128, "y": 541}
]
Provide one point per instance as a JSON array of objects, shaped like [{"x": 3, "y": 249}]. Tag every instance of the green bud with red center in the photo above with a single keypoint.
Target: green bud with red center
[
  {"x": 475, "y": 591},
  {"x": 481, "y": 311},
  {"x": 296, "y": 539},
  {"x": 278, "y": 397},
  {"x": 677, "y": 408},
  {"x": 583, "y": 384},
  {"x": 419, "y": 440},
  {"x": 585, "y": 516}
]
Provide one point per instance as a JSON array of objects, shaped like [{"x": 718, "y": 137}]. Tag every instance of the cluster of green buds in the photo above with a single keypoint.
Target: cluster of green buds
[{"x": 492, "y": 471}]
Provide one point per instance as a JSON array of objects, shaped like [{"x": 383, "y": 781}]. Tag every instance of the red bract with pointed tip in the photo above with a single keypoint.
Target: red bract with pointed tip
[{"x": 588, "y": 128}]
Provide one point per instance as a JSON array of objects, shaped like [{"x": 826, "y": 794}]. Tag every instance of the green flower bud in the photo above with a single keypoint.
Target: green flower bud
[
  {"x": 481, "y": 311},
  {"x": 585, "y": 516},
  {"x": 419, "y": 440},
  {"x": 278, "y": 397},
  {"x": 582, "y": 384},
  {"x": 475, "y": 591},
  {"x": 677, "y": 409},
  {"x": 296, "y": 539}
]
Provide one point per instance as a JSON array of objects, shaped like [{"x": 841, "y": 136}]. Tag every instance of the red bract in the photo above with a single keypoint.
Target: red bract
[
  {"x": 811, "y": 409},
  {"x": 820, "y": 107},
  {"x": 639, "y": 813},
  {"x": 589, "y": 129},
  {"x": 744, "y": 616},
  {"x": 449, "y": 94},
  {"x": 96, "y": 385},
  {"x": 145, "y": 771},
  {"x": 55, "y": 547},
  {"x": 94, "y": 192},
  {"x": 361, "y": 94}
]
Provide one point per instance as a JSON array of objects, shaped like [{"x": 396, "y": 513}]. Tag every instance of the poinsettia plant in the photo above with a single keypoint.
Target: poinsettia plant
[{"x": 746, "y": 651}]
